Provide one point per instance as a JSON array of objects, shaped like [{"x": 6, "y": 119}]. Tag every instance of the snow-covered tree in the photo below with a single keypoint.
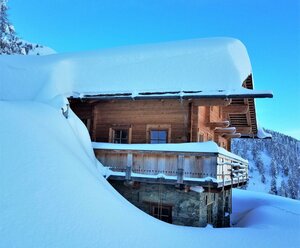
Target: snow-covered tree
[
  {"x": 273, "y": 189},
  {"x": 283, "y": 189},
  {"x": 9, "y": 42},
  {"x": 283, "y": 168},
  {"x": 273, "y": 169}
]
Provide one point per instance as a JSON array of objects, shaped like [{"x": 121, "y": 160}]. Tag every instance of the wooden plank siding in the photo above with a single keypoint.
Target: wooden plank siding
[
  {"x": 186, "y": 120},
  {"x": 139, "y": 114}
]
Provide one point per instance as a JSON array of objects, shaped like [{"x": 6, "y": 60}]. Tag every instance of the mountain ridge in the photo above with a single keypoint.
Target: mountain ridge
[{"x": 274, "y": 164}]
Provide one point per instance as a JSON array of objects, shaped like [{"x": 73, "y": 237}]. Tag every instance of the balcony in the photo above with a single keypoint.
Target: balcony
[{"x": 194, "y": 164}]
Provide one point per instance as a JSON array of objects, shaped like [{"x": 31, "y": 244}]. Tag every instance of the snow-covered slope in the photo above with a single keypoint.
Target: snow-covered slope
[
  {"x": 274, "y": 164},
  {"x": 51, "y": 195}
]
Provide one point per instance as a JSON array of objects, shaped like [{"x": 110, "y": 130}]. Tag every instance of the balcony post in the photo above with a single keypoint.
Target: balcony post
[
  {"x": 180, "y": 169},
  {"x": 128, "y": 167}
]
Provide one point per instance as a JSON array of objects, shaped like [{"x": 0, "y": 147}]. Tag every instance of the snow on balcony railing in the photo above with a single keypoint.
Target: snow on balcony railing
[{"x": 180, "y": 163}]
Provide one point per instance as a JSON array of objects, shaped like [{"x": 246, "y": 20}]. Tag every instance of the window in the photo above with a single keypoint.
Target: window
[
  {"x": 120, "y": 136},
  {"x": 162, "y": 212},
  {"x": 158, "y": 136}
]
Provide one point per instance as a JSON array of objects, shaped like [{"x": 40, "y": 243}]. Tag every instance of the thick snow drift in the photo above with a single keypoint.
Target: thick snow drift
[
  {"x": 201, "y": 67},
  {"x": 51, "y": 195}
]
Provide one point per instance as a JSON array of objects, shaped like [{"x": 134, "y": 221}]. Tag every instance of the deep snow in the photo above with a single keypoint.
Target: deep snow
[
  {"x": 52, "y": 193},
  {"x": 53, "y": 196}
]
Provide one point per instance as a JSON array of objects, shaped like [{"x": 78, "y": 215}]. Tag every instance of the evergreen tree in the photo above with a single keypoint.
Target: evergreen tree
[
  {"x": 282, "y": 189},
  {"x": 285, "y": 161},
  {"x": 293, "y": 187},
  {"x": 263, "y": 178},
  {"x": 9, "y": 43},
  {"x": 273, "y": 169},
  {"x": 273, "y": 189}
]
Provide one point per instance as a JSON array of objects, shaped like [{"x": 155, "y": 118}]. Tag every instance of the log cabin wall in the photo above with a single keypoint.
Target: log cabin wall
[
  {"x": 172, "y": 115},
  {"x": 185, "y": 121},
  {"x": 203, "y": 128}
]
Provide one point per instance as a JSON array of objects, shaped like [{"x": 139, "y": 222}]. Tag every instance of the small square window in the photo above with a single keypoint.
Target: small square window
[
  {"x": 158, "y": 136},
  {"x": 158, "y": 133},
  {"x": 120, "y": 136}
]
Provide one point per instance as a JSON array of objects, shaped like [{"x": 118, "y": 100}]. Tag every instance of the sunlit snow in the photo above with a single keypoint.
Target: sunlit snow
[{"x": 52, "y": 193}]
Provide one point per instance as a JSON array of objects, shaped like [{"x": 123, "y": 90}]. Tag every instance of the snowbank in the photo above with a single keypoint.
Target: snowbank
[{"x": 51, "y": 195}]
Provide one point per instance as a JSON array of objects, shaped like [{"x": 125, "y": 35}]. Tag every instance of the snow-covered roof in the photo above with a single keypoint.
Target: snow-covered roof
[
  {"x": 191, "y": 147},
  {"x": 199, "y": 68}
]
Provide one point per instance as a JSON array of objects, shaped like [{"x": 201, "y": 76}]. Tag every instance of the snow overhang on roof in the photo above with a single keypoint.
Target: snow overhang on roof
[
  {"x": 200, "y": 68},
  {"x": 214, "y": 67}
]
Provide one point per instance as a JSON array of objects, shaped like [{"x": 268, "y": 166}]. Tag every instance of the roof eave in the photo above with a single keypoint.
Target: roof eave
[{"x": 178, "y": 96}]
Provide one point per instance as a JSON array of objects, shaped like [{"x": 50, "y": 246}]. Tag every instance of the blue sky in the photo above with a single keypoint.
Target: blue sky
[{"x": 270, "y": 29}]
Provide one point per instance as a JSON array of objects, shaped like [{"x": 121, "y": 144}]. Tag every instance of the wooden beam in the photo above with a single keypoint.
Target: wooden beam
[
  {"x": 244, "y": 130},
  {"x": 236, "y": 109},
  {"x": 225, "y": 130},
  {"x": 211, "y": 102},
  {"x": 218, "y": 124},
  {"x": 232, "y": 135}
]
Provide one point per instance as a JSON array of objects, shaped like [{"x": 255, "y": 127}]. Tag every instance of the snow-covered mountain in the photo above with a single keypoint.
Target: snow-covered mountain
[{"x": 274, "y": 164}]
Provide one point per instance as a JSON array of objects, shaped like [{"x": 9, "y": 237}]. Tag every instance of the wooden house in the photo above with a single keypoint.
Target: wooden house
[{"x": 162, "y": 118}]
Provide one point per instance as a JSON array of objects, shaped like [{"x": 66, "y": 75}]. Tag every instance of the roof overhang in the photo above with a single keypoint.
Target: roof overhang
[{"x": 186, "y": 95}]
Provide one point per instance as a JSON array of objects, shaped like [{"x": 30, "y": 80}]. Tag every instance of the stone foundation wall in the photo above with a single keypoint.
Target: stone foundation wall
[{"x": 188, "y": 208}]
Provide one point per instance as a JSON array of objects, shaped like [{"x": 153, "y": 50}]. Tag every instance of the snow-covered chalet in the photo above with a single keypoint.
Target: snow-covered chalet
[{"x": 161, "y": 118}]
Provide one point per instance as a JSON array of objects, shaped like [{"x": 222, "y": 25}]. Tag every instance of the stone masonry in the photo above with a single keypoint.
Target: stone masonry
[{"x": 189, "y": 208}]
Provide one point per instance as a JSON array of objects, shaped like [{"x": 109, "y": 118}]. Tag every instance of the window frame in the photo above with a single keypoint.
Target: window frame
[
  {"x": 158, "y": 127},
  {"x": 158, "y": 139},
  {"x": 114, "y": 128},
  {"x": 156, "y": 210}
]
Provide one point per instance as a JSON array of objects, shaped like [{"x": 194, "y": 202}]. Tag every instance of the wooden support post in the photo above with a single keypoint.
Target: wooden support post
[
  {"x": 191, "y": 110},
  {"x": 128, "y": 167},
  {"x": 180, "y": 170}
]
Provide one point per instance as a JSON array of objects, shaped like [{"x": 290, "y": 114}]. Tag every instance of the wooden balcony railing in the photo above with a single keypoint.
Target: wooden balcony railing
[{"x": 195, "y": 167}]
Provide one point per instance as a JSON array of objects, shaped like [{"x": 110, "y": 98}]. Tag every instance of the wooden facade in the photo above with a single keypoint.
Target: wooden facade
[
  {"x": 184, "y": 120},
  {"x": 136, "y": 172}
]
